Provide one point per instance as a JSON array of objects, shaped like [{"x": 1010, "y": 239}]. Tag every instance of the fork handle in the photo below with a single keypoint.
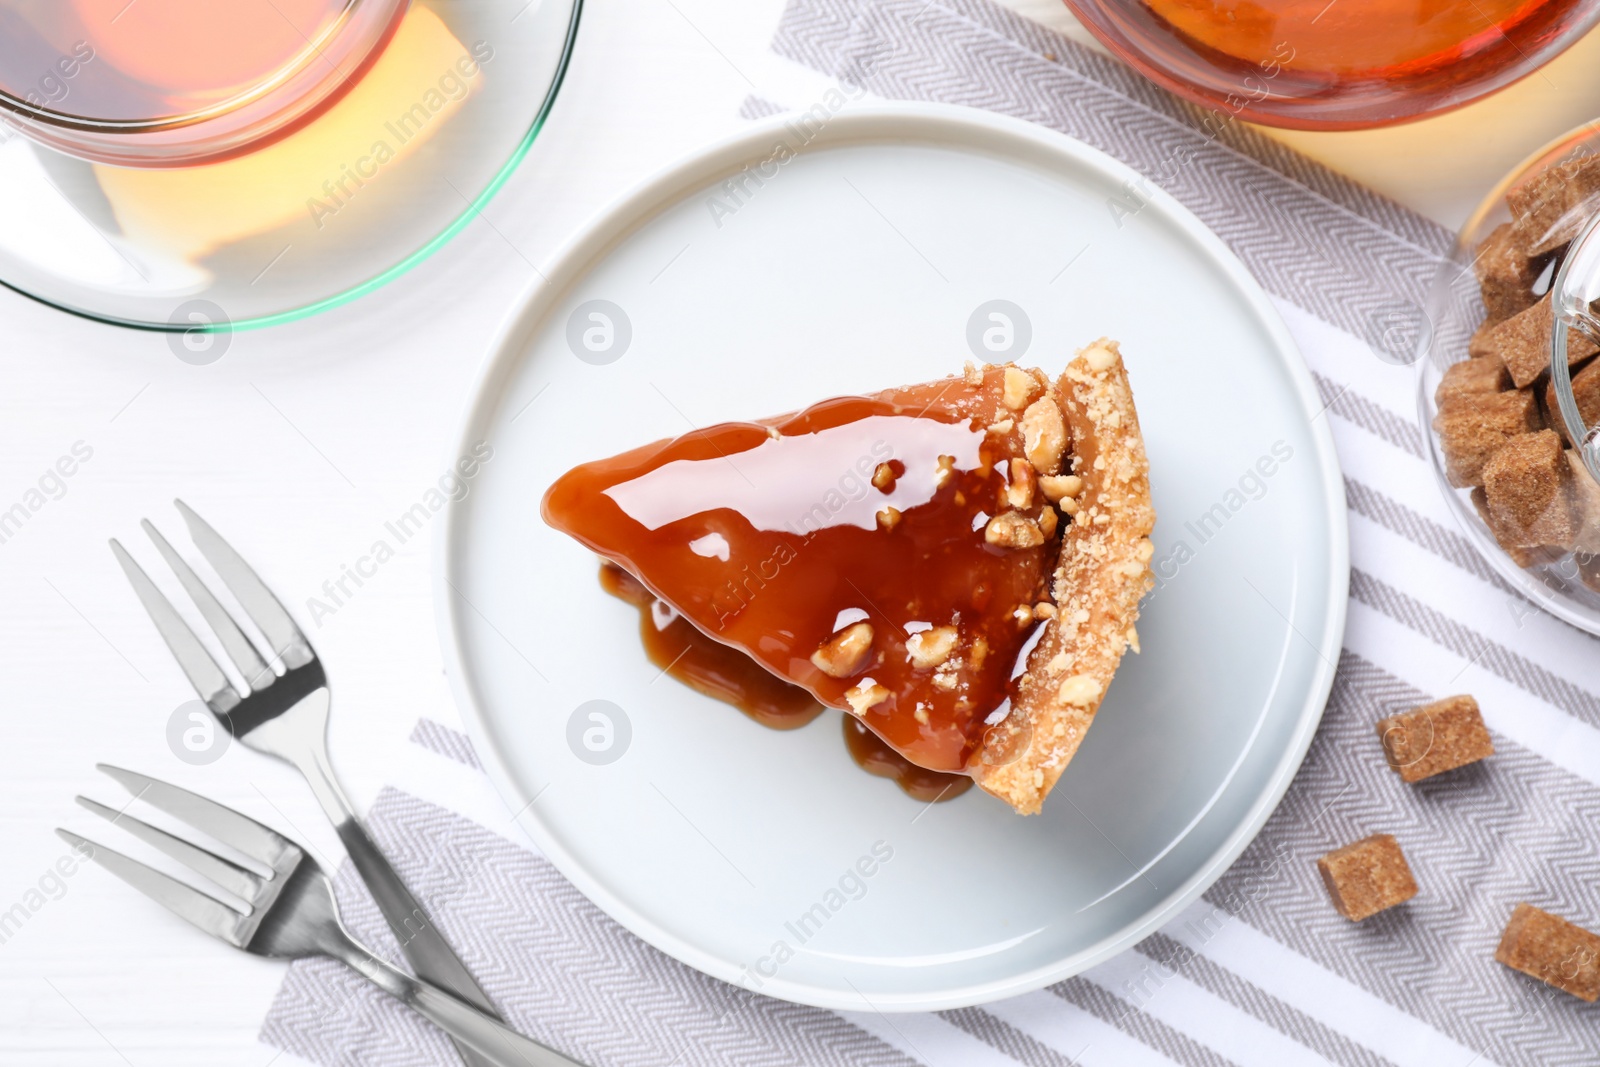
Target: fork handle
[
  {"x": 493, "y": 1041},
  {"x": 430, "y": 954}
]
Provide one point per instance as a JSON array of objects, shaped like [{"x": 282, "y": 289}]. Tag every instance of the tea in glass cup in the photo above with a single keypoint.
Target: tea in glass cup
[
  {"x": 1335, "y": 64},
  {"x": 176, "y": 82}
]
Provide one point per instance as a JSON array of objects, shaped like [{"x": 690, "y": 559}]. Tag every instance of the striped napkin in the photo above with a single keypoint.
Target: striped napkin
[{"x": 1261, "y": 970}]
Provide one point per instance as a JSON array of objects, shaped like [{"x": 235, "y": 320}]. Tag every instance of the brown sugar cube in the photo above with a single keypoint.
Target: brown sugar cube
[
  {"x": 1473, "y": 428},
  {"x": 1538, "y": 204},
  {"x": 1585, "y": 390},
  {"x": 1528, "y": 487},
  {"x": 1549, "y": 948},
  {"x": 1367, "y": 877},
  {"x": 1522, "y": 557},
  {"x": 1548, "y": 211},
  {"x": 1478, "y": 345},
  {"x": 1435, "y": 738},
  {"x": 1523, "y": 343},
  {"x": 1505, "y": 274},
  {"x": 1470, "y": 378}
]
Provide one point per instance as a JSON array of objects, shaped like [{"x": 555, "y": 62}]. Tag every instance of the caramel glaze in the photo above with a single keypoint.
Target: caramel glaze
[
  {"x": 723, "y": 672},
  {"x": 708, "y": 666},
  {"x": 776, "y": 537},
  {"x": 874, "y": 756}
]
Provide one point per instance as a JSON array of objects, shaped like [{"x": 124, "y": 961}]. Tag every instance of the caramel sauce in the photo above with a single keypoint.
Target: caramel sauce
[
  {"x": 875, "y": 757},
  {"x": 726, "y": 674},
  {"x": 773, "y": 538},
  {"x": 707, "y": 666}
]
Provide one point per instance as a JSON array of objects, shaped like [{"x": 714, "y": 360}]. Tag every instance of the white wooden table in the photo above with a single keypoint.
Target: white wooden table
[{"x": 303, "y": 441}]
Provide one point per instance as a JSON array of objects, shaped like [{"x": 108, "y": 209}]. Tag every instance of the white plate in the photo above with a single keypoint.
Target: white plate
[{"x": 853, "y": 266}]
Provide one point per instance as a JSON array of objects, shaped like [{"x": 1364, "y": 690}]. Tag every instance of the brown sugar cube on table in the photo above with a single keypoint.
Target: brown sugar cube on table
[
  {"x": 1471, "y": 378},
  {"x": 1435, "y": 738},
  {"x": 1528, "y": 486},
  {"x": 1505, "y": 274},
  {"x": 1473, "y": 428},
  {"x": 1549, "y": 948},
  {"x": 1523, "y": 343},
  {"x": 1367, "y": 877}
]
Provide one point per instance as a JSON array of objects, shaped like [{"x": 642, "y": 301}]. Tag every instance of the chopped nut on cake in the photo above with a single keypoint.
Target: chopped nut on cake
[
  {"x": 865, "y": 695},
  {"x": 1044, "y": 435},
  {"x": 1013, "y": 530},
  {"x": 1059, "y": 487},
  {"x": 930, "y": 648},
  {"x": 846, "y": 652},
  {"x": 1019, "y": 388}
]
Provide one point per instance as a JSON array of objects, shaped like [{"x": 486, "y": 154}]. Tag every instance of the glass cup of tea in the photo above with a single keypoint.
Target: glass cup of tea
[
  {"x": 1335, "y": 64},
  {"x": 161, "y": 83},
  {"x": 200, "y": 167}
]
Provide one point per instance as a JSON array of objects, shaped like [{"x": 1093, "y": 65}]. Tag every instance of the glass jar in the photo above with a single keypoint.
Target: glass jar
[{"x": 1509, "y": 378}]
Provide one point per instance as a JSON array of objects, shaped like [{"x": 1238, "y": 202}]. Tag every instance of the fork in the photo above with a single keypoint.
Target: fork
[
  {"x": 286, "y": 715},
  {"x": 291, "y": 911}
]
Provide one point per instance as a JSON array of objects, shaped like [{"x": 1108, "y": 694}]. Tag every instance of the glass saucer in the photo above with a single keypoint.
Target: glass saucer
[{"x": 371, "y": 187}]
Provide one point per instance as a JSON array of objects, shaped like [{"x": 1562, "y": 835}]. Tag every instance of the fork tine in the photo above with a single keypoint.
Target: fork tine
[
  {"x": 264, "y": 609},
  {"x": 236, "y": 880},
  {"x": 256, "y": 673},
  {"x": 259, "y": 842},
  {"x": 198, "y": 666},
  {"x": 214, "y": 918}
]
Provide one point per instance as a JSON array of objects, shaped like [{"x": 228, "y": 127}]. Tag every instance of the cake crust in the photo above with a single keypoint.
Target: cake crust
[{"x": 1103, "y": 572}]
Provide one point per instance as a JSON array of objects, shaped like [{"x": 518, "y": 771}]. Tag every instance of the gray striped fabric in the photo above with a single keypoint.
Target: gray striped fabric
[
  {"x": 1352, "y": 406},
  {"x": 1171, "y": 1042},
  {"x": 446, "y": 742},
  {"x": 1249, "y": 997},
  {"x": 1262, "y": 970},
  {"x": 1486, "y": 837}
]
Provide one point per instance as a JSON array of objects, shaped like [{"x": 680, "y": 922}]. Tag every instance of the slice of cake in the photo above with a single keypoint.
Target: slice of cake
[{"x": 958, "y": 563}]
